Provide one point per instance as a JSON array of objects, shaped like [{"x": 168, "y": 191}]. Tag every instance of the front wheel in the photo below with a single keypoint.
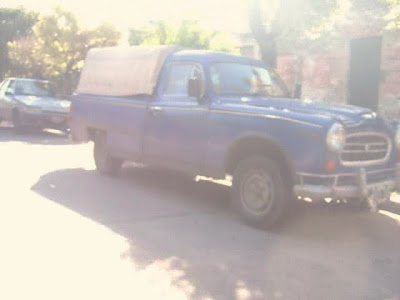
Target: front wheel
[
  {"x": 105, "y": 163},
  {"x": 258, "y": 191},
  {"x": 358, "y": 204},
  {"x": 17, "y": 122}
]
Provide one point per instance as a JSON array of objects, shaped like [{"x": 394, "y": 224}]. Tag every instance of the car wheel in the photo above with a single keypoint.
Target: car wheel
[
  {"x": 358, "y": 204},
  {"x": 17, "y": 122},
  {"x": 105, "y": 163},
  {"x": 258, "y": 192}
]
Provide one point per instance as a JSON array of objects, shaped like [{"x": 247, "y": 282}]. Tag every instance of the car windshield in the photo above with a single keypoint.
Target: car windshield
[
  {"x": 231, "y": 79},
  {"x": 34, "y": 88}
]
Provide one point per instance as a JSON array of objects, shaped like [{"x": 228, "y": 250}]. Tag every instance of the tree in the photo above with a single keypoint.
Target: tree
[
  {"x": 158, "y": 33},
  {"x": 301, "y": 27},
  {"x": 265, "y": 38},
  {"x": 14, "y": 23},
  {"x": 23, "y": 59},
  {"x": 394, "y": 14},
  {"x": 137, "y": 36},
  {"x": 58, "y": 47},
  {"x": 190, "y": 34},
  {"x": 291, "y": 25},
  {"x": 187, "y": 33}
]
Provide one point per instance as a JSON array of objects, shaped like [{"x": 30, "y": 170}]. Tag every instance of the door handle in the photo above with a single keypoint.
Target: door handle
[{"x": 155, "y": 110}]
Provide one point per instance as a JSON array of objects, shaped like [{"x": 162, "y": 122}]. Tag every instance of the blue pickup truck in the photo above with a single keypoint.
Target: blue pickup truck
[{"x": 226, "y": 116}]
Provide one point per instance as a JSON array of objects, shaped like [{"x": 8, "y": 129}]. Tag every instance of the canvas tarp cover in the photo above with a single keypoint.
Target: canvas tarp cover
[{"x": 123, "y": 71}]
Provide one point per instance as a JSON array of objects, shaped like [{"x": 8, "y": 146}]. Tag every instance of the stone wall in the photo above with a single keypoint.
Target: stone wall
[
  {"x": 389, "y": 102},
  {"x": 324, "y": 77}
]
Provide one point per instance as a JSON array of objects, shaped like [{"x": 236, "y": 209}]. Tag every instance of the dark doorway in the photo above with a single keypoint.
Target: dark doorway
[{"x": 365, "y": 69}]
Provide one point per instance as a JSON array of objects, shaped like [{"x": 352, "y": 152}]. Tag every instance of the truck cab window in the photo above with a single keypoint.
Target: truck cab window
[
  {"x": 232, "y": 79},
  {"x": 178, "y": 77}
]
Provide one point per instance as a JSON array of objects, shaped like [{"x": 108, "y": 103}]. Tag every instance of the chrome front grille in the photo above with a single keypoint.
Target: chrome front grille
[{"x": 365, "y": 149}]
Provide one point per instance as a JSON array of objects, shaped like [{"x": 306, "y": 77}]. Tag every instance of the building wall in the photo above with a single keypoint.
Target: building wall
[{"x": 324, "y": 75}]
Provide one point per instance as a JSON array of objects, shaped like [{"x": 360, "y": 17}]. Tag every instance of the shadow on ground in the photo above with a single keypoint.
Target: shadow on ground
[
  {"x": 34, "y": 136},
  {"x": 186, "y": 226}
]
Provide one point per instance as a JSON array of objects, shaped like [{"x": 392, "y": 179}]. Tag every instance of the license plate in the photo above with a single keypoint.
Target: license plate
[{"x": 57, "y": 119}]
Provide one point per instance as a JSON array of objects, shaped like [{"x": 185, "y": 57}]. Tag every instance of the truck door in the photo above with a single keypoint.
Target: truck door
[{"x": 176, "y": 125}]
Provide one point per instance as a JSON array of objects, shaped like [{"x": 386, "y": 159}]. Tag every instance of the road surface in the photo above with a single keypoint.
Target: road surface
[{"x": 68, "y": 232}]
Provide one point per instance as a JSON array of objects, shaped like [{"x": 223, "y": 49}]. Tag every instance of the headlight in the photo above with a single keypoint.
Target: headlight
[
  {"x": 397, "y": 137},
  {"x": 336, "y": 137},
  {"x": 65, "y": 104}
]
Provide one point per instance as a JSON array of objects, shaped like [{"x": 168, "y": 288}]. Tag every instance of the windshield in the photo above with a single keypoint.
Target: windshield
[
  {"x": 231, "y": 79},
  {"x": 34, "y": 88}
]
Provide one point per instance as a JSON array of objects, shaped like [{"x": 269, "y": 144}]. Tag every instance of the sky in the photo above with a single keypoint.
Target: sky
[{"x": 225, "y": 15}]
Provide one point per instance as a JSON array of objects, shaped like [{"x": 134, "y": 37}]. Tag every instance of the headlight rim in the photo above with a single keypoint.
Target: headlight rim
[{"x": 336, "y": 132}]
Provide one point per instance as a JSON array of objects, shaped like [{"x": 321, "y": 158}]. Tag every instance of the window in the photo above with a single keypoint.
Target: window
[
  {"x": 179, "y": 75},
  {"x": 4, "y": 87},
  {"x": 11, "y": 86},
  {"x": 232, "y": 79},
  {"x": 35, "y": 88}
]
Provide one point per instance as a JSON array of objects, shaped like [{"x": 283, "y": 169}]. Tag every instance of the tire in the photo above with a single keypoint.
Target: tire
[
  {"x": 358, "y": 204},
  {"x": 104, "y": 162},
  {"x": 17, "y": 122},
  {"x": 258, "y": 192}
]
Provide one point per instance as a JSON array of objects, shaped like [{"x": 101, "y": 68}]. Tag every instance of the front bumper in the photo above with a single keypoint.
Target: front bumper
[
  {"x": 377, "y": 184},
  {"x": 45, "y": 119}
]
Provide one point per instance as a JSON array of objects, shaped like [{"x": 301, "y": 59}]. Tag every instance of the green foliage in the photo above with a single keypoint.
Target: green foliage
[
  {"x": 14, "y": 23},
  {"x": 299, "y": 25},
  {"x": 223, "y": 42},
  {"x": 137, "y": 36},
  {"x": 158, "y": 33},
  {"x": 23, "y": 62},
  {"x": 394, "y": 14},
  {"x": 57, "y": 49},
  {"x": 188, "y": 33},
  {"x": 302, "y": 27}
]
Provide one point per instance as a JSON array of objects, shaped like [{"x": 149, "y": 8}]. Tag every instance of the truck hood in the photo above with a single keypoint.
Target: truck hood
[
  {"x": 45, "y": 103},
  {"x": 347, "y": 114}
]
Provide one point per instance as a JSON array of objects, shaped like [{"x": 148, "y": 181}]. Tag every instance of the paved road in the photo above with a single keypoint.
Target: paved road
[{"x": 68, "y": 232}]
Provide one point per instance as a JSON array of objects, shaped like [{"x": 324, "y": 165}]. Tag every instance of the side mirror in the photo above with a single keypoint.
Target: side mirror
[
  {"x": 195, "y": 88},
  {"x": 297, "y": 91}
]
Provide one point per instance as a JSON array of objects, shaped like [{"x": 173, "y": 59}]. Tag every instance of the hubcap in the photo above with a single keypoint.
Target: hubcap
[{"x": 257, "y": 192}]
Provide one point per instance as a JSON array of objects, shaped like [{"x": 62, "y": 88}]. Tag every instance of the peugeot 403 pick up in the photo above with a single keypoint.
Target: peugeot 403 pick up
[{"x": 226, "y": 116}]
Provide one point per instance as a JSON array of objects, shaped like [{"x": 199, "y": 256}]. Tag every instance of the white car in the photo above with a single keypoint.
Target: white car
[{"x": 32, "y": 103}]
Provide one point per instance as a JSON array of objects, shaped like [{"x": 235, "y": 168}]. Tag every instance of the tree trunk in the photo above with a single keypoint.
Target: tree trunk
[{"x": 265, "y": 40}]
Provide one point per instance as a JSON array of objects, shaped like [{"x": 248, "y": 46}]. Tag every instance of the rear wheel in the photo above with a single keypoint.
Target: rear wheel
[
  {"x": 259, "y": 194},
  {"x": 105, "y": 163}
]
